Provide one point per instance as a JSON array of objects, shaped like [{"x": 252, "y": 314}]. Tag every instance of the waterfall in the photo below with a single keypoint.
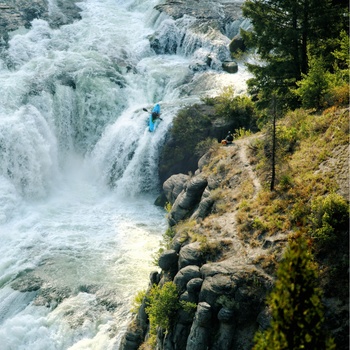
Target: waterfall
[{"x": 78, "y": 166}]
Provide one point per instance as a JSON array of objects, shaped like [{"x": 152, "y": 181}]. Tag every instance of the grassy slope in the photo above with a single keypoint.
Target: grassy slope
[{"x": 251, "y": 224}]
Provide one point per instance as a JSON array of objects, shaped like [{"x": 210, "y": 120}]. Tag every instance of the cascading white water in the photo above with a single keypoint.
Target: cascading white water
[{"x": 78, "y": 170}]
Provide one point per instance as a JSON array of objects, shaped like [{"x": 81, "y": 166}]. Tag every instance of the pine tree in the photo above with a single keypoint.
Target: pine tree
[
  {"x": 284, "y": 33},
  {"x": 295, "y": 303}
]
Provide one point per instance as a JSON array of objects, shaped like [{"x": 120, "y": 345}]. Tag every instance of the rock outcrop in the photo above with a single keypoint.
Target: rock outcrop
[
  {"x": 229, "y": 291},
  {"x": 187, "y": 200},
  {"x": 15, "y": 14},
  {"x": 204, "y": 27}
]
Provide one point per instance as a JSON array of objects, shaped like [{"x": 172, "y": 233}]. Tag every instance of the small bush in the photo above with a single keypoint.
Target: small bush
[
  {"x": 168, "y": 207},
  {"x": 188, "y": 307},
  {"x": 314, "y": 86},
  {"x": 329, "y": 218},
  {"x": 295, "y": 303},
  {"x": 206, "y": 145},
  {"x": 137, "y": 302},
  {"x": 162, "y": 305},
  {"x": 241, "y": 132},
  {"x": 238, "y": 109},
  {"x": 338, "y": 96}
]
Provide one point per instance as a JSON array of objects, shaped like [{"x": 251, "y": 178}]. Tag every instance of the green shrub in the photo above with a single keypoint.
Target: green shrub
[
  {"x": 209, "y": 144},
  {"x": 295, "y": 303},
  {"x": 137, "y": 302},
  {"x": 238, "y": 109},
  {"x": 313, "y": 87},
  {"x": 241, "y": 132},
  {"x": 329, "y": 218},
  {"x": 162, "y": 305},
  {"x": 188, "y": 307}
]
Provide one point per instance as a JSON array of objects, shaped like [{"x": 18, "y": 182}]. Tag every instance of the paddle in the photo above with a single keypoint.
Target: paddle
[{"x": 144, "y": 109}]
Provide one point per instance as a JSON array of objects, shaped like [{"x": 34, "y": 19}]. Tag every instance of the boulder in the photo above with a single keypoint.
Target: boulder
[
  {"x": 194, "y": 285},
  {"x": 187, "y": 201},
  {"x": 177, "y": 242},
  {"x": 237, "y": 44},
  {"x": 204, "y": 160},
  {"x": 230, "y": 67},
  {"x": 168, "y": 260},
  {"x": 191, "y": 255},
  {"x": 131, "y": 340},
  {"x": 264, "y": 319},
  {"x": 154, "y": 277},
  {"x": 185, "y": 275},
  {"x": 217, "y": 286},
  {"x": 204, "y": 208},
  {"x": 188, "y": 297},
  {"x": 225, "y": 315},
  {"x": 173, "y": 186}
]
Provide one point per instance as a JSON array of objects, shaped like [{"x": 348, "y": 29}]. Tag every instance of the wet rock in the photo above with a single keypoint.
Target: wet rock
[
  {"x": 51, "y": 296},
  {"x": 237, "y": 44},
  {"x": 15, "y": 14},
  {"x": 27, "y": 283},
  {"x": 108, "y": 299},
  {"x": 219, "y": 12},
  {"x": 230, "y": 67}
]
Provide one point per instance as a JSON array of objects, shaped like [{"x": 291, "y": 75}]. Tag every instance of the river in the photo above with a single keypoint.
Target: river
[{"x": 78, "y": 170}]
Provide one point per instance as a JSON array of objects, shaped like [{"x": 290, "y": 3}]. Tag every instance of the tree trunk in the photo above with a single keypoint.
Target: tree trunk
[{"x": 273, "y": 170}]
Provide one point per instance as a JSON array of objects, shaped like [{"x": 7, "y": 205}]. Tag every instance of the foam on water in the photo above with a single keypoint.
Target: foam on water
[{"x": 78, "y": 168}]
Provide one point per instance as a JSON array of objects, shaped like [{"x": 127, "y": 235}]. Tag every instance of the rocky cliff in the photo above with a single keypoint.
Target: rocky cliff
[
  {"x": 210, "y": 265},
  {"x": 219, "y": 257}
]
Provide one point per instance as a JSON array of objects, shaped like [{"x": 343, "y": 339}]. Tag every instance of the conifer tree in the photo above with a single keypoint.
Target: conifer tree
[
  {"x": 284, "y": 33},
  {"x": 295, "y": 303}
]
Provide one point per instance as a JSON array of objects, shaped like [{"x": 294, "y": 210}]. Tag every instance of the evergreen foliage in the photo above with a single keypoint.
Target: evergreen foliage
[
  {"x": 330, "y": 219},
  {"x": 286, "y": 34},
  {"x": 296, "y": 307},
  {"x": 313, "y": 87}
]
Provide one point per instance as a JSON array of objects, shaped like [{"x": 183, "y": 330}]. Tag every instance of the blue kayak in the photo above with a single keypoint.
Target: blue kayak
[{"x": 152, "y": 124}]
